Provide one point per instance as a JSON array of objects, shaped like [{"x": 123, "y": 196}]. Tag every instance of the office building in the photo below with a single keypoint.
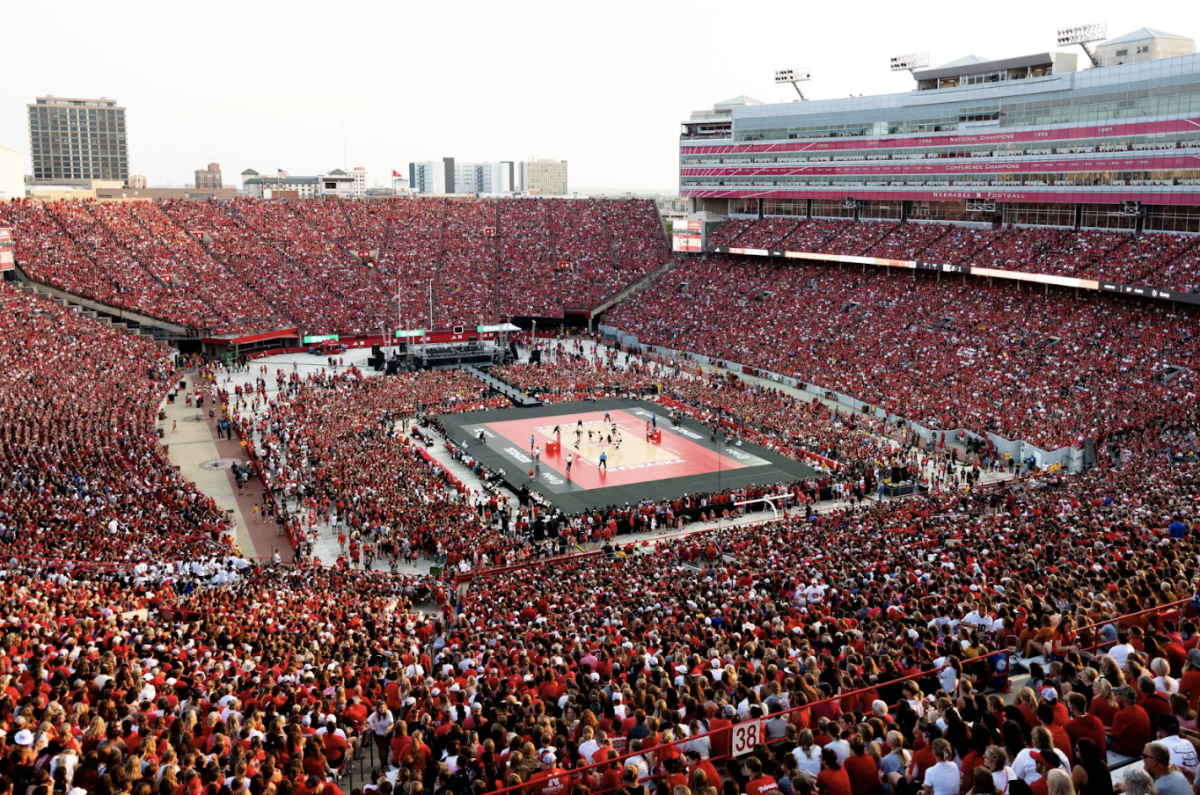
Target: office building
[
  {"x": 77, "y": 140},
  {"x": 209, "y": 178},
  {"x": 359, "y": 189},
  {"x": 432, "y": 177},
  {"x": 454, "y": 176},
  {"x": 544, "y": 177}
]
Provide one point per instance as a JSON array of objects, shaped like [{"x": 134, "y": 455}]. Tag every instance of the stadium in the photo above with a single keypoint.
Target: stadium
[{"x": 876, "y": 474}]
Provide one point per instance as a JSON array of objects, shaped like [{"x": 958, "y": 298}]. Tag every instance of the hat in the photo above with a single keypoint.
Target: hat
[
  {"x": 1194, "y": 657},
  {"x": 549, "y": 758},
  {"x": 24, "y": 737},
  {"x": 1050, "y": 758},
  {"x": 616, "y": 696},
  {"x": 1049, "y": 694}
]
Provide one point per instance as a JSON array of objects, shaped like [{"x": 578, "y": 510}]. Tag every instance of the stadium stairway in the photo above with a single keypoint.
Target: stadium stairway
[
  {"x": 518, "y": 397},
  {"x": 644, "y": 283}
]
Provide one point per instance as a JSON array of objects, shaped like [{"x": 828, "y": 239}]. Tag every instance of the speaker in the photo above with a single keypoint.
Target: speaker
[
  {"x": 535, "y": 357},
  {"x": 393, "y": 367},
  {"x": 895, "y": 474},
  {"x": 402, "y": 348},
  {"x": 375, "y": 350},
  {"x": 512, "y": 347}
]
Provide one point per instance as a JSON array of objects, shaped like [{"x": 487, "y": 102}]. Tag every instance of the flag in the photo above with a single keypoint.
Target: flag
[
  {"x": 282, "y": 173},
  {"x": 396, "y": 174}
]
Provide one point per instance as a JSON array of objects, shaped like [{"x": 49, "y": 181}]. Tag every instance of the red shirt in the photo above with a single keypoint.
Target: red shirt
[
  {"x": 549, "y": 782},
  {"x": 761, "y": 786},
  {"x": 835, "y": 782},
  {"x": 863, "y": 774},
  {"x": 1087, "y": 726}
]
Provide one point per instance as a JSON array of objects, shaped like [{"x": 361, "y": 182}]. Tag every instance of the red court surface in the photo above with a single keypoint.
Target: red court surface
[{"x": 637, "y": 461}]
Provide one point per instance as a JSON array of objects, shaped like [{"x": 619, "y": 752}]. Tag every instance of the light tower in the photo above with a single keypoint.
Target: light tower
[
  {"x": 795, "y": 77},
  {"x": 906, "y": 63},
  {"x": 1083, "y": 35}
]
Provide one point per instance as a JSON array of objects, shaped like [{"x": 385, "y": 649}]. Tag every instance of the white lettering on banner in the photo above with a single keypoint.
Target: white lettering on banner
[
  {"x": 646, "y": 465},
  {"x": 552, "y": 479},
  {"x": 687, "y": 433},
  {"x": 746, "y": 736},
  {"x": 517, "y": 454},
  {"x": 737, "y": 454}
]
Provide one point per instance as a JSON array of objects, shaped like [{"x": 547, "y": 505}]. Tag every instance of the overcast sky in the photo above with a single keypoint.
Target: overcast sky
[{"x": 603, "y": 85}]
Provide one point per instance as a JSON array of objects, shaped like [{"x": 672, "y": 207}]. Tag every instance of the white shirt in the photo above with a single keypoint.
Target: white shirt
[
  {"x": 1120, "y": 653},
  {"x": 811, "y": 766},
  {"x": 1026, "y": 767},
  {"x": 380, "y": 723},
  {"x": 1183, "y": 753},
  {"x": 944, "y": 778}
]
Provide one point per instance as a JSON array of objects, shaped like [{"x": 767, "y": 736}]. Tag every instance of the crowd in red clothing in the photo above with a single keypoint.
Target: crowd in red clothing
[
  {"x": 1049, "y": 369},
  {"x": 1154, "y": 259},
  {"x": 82, "y": 475},
  {"x": 249, "y": 265},
  {"x": 858, "y": 636}
]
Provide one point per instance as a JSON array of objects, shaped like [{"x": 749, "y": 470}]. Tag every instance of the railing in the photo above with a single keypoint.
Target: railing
[{"x": 725, "y": 734}]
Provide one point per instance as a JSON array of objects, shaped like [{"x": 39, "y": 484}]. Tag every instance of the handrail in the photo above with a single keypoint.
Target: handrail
[
  {"x": 574, "y": 772},
  {"x": 656, "y": 749}
]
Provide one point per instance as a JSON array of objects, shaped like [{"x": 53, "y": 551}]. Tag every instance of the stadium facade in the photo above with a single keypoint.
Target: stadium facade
[{"x": 1026, "y": 140}]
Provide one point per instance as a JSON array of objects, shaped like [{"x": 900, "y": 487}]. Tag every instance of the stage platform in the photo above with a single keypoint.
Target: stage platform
[{"x": 683, "y": 460}]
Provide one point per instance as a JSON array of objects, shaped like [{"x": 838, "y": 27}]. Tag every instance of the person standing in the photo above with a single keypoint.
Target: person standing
[
  {"x": 604, "y": 461},
  {"x": 381, "y": 724},
  {"x": 568, "y": 465}
]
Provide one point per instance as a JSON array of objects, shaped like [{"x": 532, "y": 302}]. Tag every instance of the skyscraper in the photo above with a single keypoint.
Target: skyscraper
[{"x": 75, "y": 140}]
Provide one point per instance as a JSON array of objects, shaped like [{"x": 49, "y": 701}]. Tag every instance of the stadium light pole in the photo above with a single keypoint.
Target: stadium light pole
[
  {"x": 1084, "y": 35},
  {"x": 795, "y": 77}
]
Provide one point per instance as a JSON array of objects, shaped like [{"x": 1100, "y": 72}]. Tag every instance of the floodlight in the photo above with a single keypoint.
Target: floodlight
[
  {"x": 794, "y": 76},
  {"x": 904, "y": 63},
  {"x": 1082, "y": 34}
]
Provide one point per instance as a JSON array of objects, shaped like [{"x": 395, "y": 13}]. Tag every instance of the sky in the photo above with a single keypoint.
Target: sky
[{"x": 309, "y": 87}]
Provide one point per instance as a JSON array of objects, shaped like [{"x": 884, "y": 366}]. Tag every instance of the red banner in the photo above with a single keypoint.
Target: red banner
[
  {"x": 952, "y": 166},
  {"x": 1106, "y": 131}
]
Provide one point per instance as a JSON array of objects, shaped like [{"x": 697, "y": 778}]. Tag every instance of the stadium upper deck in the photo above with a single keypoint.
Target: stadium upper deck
[{"x": 1018, "y": 130}]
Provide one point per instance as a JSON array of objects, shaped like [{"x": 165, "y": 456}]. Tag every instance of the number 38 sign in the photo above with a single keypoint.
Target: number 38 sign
[{"x": 746, "y": 736}]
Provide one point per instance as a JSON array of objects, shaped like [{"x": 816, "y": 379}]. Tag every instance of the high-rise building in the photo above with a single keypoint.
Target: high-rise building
[
  {"x": 543, "y": 177},
  {"x": 209, "y": 177},
  {"x": 360, "y": 181},
  {"x": 451, "y": 176},
  {"x": 77, "y": 140},
  {"x": 432, "y": 177},
  {"x": 137, "y": 182}
]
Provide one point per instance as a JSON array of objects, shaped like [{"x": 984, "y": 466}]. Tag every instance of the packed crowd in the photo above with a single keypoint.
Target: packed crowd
[
  {"x": 875, "y": 664},
  {"x": 1155, "y": 259},
  {"x": 82, "y": 476},
  {"x": 337, "y": 448},
  {"x": 249, "y": 265},
  {"x": 872, "y": 648},
  {"x": 1049, "y": 369}
]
